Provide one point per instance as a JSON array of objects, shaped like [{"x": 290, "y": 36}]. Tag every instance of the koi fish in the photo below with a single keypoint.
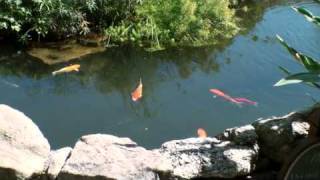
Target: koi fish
[
  {"x": 67, "y": 69},
  {"x": 223, "y": 95},
  {"x": 137, "y": 93},
  {"x": 202, "y": 133},
  {"x": 238, "y": 100},
  {"x": 246, "y": 101}
]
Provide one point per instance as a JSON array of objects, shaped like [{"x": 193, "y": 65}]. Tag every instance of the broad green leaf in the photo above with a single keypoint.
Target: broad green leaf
[
  {"x": 287, "y": 72},
  {"x": 298, "y": 78},
  {"x": 309, "y": 63},
  {"x": 307, "y": 14}
]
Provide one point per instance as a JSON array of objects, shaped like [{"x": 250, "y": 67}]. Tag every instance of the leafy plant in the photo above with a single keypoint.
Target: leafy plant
[
  {"x": 312, "y": 76},
  {"x": 176, "y": 22}
]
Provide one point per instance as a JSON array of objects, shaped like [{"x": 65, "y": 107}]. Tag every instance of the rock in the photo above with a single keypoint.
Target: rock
[
  {"x": 244, "y": 135},
  {"x": 279, "y": 135},
  {"x": 60, "y": 52},
  {"x": 23, "y": 148},
  {"x": 314, "y": 120},
  {"x": 57, "y": 159},
  {"x": 108, "y": 157},
  {"x": 206, "y": 158}
]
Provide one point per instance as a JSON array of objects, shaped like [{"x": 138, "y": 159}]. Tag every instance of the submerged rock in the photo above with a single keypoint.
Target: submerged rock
[
  {"x": 206, "y": 158},
  {"x": 58, "y": 53},
  {"x": 23, "y": 148},
  {"x": 108, "y": 157},
  {"x": 57, "y": 159},
  {"x": 278, "y": 136}
]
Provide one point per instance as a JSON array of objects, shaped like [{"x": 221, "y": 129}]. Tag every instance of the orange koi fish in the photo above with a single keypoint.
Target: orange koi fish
[
  {"x": 137, "y": 93},
  {"x": 225, "y": 96},
  {"x": 67, "y": 69},
  {"x": 202, "y": 133}
]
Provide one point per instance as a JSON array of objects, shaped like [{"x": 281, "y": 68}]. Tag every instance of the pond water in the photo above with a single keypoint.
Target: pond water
[{"x": 176, "y": 82}]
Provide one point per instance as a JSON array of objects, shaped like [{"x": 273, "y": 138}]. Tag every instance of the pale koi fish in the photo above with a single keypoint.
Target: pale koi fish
[
  {"x": 67, "y": 69},
  {"x": 202, "y": 133},
  {"x": 238, "y": 100},
  {"x": 245, "y": 101},
  {"x": 10, "y": 84},
  {"x": 137, "y": 93}
]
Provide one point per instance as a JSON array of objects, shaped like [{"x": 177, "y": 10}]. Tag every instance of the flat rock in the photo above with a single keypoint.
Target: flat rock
[
  {"x": 108, "y": 157},
  {"x": 23, "y": 148},
  {"x": 206, "y": 158},
  {"x": 57, "y": 159},
  {"x": 279, "y": 135}
]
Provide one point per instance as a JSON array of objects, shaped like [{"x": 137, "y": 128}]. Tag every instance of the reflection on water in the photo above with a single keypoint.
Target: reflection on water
[{"x": 176, "y": 98}]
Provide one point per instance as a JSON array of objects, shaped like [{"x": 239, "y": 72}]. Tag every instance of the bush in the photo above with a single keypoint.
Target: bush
[
  {"x": 41, "y": 17},
  {"x": 176, "y": 22},
  {"x": 149, "y": 23}
]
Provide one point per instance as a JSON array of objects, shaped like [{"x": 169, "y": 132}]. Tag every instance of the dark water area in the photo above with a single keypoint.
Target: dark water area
[{"x": 176, "y": 83}]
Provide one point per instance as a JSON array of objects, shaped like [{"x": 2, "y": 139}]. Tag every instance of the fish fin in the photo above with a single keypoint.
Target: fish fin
[
  {"x": 77, "y": 70},
  {"x": 54, "y": 73}
]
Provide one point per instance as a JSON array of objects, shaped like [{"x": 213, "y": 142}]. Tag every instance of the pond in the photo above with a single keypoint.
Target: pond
[{"x": 176, "y": 99}]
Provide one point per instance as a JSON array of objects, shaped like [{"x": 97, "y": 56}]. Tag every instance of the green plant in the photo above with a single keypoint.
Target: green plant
[
  {"x": 312, "y": 76},
  {"x": 158, "y": 24}
]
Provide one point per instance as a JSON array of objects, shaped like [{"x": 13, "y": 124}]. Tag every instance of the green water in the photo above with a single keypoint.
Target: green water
[{"x": 176, "y": 84}]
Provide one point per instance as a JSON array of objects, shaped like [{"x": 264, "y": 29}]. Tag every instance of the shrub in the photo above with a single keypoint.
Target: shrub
[{"x": 176, "y": 22}]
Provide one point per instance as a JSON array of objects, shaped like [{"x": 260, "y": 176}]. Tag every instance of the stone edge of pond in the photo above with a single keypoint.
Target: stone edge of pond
[{"x": 255, "y": 151}]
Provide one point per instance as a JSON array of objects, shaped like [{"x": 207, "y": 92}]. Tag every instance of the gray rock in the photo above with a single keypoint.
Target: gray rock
[
  {"x": 23, "y": 148},
  {"x": 108, "y": 157},
  {"x": 209, "y": 157},
  {"x": 57, "y": 159},
  {"x": 244, "y": 135},
  {"x": 279, "y": 135}
]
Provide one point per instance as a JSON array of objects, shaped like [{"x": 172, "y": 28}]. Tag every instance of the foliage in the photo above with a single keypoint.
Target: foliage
[
  {"x": 312, "y": 76},
  {"x": 42, "y": 17},
  {"x": 150, "y": 23},
  {"x": 176, "y": 22}
]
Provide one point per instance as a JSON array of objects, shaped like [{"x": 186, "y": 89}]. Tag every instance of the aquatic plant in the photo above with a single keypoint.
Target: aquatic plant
[{"x": 312, "y": 76}]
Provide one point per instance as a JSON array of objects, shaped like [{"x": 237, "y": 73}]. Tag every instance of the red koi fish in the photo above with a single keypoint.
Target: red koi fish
[
  {"x": 223, "y": 95},
  {"x": 137, "y": 93},
  {"x": 245, "y": 101},
  {"x": 202, "y": 133}
]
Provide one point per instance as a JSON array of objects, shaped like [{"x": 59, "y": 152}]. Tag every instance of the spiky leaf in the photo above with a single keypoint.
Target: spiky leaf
[
  {"x": 309, "y": 63},
  {"x": 307, "y": 14}
]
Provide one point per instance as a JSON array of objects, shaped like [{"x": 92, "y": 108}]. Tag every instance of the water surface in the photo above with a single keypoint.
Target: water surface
[{"x": 176, "y": 84}]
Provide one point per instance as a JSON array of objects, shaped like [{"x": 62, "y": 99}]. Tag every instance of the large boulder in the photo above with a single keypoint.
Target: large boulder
[
  {"x": 278, "y": 136},
  {"x": 206, "y": 158},
  {"x": 23, "y": 148},
  {"x": 108, "y": 157}
]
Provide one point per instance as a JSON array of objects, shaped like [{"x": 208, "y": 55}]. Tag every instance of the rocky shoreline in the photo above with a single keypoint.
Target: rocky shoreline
[{"x": 254, "y": 151}]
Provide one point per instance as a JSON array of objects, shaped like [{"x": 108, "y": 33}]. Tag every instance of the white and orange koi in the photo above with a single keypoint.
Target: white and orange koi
[{"x": 67, "y": 69}]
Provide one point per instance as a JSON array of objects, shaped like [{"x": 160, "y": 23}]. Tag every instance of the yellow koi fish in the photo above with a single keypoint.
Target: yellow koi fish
[{"x": 67, "y": 69}]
